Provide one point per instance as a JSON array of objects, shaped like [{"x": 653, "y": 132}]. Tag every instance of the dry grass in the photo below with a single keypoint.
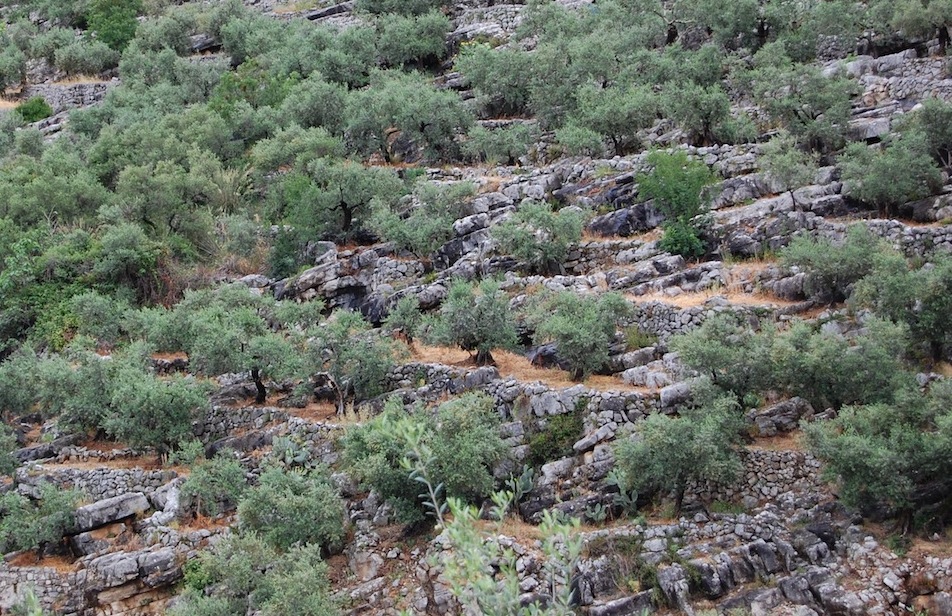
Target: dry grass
[
  {"x": 791, "y": 441},
  {"x": 690, "y": 300},
  {"x": 315, "y": 411},
  {"x": 518, "y": 367},
  {"x": 148, "y": 463},
  {"x": 8, "y": 104},
  {"x": 76, "y": 79},
  {"x": 524, "y": 533},
  {"x": 61, "y": 564},
  {"x": 170, "y": 356},
  {"x": 944, "y": 368}
]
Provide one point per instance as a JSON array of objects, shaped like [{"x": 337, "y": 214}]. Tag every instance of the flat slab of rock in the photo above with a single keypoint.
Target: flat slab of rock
[{"x": 109, "y": 510}]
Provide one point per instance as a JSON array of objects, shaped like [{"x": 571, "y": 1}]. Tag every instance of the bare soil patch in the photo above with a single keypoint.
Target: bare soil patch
[{"x": 518, "y": 367}]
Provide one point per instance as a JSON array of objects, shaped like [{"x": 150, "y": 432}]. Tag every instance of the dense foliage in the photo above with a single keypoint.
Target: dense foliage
[{"x": 459, "y": 441}]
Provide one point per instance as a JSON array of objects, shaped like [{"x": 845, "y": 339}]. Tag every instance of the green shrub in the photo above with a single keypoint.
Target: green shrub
[
  {"x": 34, "y": 109},
  {"x": 833, "y": 269},
  {"x": 12, "y": 67},
  {"x": 26, "y": 524},
  {"x": 423, "y": 223},
  {"x": 113, "y": 21},
  {"x": 582, "y": 328},
  {"x": 813, "y": 107},
  {"x": 405, "y": 316},
  {"x": 580, "y": 141},
  {"x": 216, "y": 485},
  {"x": 242, "y": 573},
  {"x": 538, "y": 236},
  {"x": 474, "y": 318},
  {"x": 459, "y": 444},
  {"x": 702, "y": 112},
  {"x": 98, "y": 316},
  {"x": 727, "y": 349},
  {"x": 555, "y": 440},
  {"x": 827, "y": 369},
  {"x": 425, "y": 116},
  {"x": 917, "y": 298},
  {"x": 675, "y": 183},
  {"x": 786, "y": 164},
  {"x": 669, "y": 452},
  {"x": 893, "y": 459},
  {"x": 400, "y": 7},
  {"x": 901, "y": 172},
  {"x": 683, "y": 239},
  {"x": 501, "y": 145},
  {"x": 150, "y": 412},
  {"x": 86, "y": 58},
  {"x": 288, "y": 507},
  {"x": 418, "y": 40},
  {"x": 8, "y": 443},
  {"x": 355, "y": 356},
  {"x": 315, "y": 102},
  {"x": 615, "y": 113},
  {"x": 832, "y": 371}
]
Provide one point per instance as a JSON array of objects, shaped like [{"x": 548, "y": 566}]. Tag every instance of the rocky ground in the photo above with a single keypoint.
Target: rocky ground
[{"x": 775, "y": 542}]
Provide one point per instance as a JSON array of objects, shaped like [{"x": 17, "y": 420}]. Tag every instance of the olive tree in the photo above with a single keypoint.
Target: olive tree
[
  {"x": 582, "y": 328},
  {"x": 475, "y": 317},
  {"x": 667, "y": 453}
]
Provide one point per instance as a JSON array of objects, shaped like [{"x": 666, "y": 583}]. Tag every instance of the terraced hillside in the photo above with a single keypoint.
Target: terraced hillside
[{"x": 564, "y": 307}]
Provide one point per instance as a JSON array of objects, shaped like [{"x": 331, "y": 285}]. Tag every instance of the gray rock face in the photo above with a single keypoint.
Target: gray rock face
[
  {"x": 109, "y": 510},
  {"x": 626, "y": 606},
  {"x": 782, "y": 417},
  {"x": 626, "y": 221},
  {"x": 675, "y": 394}
]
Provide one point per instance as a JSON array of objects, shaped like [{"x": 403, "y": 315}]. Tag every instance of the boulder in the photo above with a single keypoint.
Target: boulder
[
  {"x": 634, "y": 605},
  {"x": 109, "y": 510},
  {"x": 781, "y": 417}
]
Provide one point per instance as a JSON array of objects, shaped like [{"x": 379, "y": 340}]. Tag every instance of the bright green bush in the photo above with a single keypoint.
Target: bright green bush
[
  {"x": 34, "y": 109},
  {"x": 288, "y": 508},
  {"x": 675, "y": 183},
  {"x": 474, "y": 318},
  {"x": 113, "y": 21}
]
